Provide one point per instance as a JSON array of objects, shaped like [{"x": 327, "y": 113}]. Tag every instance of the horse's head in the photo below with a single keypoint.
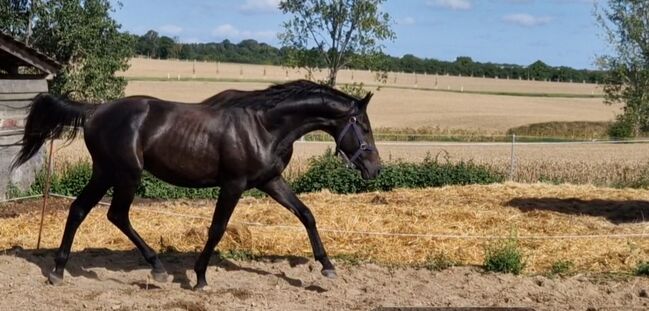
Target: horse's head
[{"x": 355, "y": 142}]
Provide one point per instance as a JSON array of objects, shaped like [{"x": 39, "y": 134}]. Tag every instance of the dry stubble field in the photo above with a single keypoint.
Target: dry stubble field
[
  {"x": 161, "y": 69},
  {"x": 401, "y": 108}
]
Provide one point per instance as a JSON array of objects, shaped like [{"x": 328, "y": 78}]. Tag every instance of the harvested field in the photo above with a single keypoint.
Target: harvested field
[
  {"x": 463, "y": 221},
  {"x": 399, "y": 108},
  {"x": 161, "y": 69}
]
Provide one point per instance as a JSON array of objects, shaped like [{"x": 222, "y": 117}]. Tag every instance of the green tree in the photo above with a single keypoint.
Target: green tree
[
  {"x": 149, "y": 43},
  {"x": 81, "y": 35},
  {"x": 539, "y": 71},
  {"x": 626, "y": 26},
  {"x": 14, "y": 15},
  {"x": 334, "y": 32}
]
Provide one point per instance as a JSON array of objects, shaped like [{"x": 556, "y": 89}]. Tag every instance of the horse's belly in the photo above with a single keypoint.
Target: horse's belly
[{"x": 182, "y": 168}]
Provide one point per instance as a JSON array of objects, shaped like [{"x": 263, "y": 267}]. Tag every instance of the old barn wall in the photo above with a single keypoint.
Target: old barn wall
[{"x": 15, "y": 95}]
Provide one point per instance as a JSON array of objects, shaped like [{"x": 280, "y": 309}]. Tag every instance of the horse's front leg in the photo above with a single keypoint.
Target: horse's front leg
[
  {"x": 228, "y": 198},
  {"x": 280, "y": 191}
]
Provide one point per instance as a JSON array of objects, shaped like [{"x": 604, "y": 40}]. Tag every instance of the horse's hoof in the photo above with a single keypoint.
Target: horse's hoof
[
  {"x": 330, "y": 273},
  {"x": 161, "y": 277},
  {"x": 54, "y": 278},
  {"x": 201, "y": 288}
]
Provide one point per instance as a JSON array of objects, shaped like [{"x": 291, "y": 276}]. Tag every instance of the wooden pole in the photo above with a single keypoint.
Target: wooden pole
[{"x": 46, "y": 192}]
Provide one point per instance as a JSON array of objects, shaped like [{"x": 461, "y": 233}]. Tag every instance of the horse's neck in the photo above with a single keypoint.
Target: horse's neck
[{"x": 297, "y": 122}]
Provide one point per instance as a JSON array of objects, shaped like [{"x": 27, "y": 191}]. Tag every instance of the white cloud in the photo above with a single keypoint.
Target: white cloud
[
  {"x": 170, "y": 29},
  {"x": 408, "y": 20},
  {"x": 228, "y": 31},
  {"x": 527, "y": 20},
  {"x": 259, "y": 6},
  {"x": 451, "y": 4},
  {"x": 225, "y": 30}
]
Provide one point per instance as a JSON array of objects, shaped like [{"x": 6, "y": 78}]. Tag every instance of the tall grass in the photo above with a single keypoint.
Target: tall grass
[
  {"x": 537, "y": 132},
  {"x": 504, "y": 256},
  {"x": 576, "y": 130}
]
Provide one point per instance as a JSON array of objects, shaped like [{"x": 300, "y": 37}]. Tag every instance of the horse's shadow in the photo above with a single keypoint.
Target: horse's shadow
[
  {"x": 615, "y": 211},
  {"x": 177, "y": 264}
]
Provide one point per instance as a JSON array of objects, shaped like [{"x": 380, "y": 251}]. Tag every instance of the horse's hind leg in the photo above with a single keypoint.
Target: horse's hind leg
[
  {"x": 89, "y": 197},
  {"x": 118, "y": 214}
]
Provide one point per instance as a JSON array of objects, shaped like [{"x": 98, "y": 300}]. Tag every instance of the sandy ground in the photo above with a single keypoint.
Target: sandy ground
[{"x": 113, "y": 280}]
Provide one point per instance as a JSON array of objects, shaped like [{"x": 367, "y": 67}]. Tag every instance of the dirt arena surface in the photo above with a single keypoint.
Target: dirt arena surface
[{"x": 114, "y": 280}]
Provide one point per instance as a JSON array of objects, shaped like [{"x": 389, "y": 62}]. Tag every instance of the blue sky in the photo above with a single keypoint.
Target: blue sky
[{"x": 558, "y": 32}]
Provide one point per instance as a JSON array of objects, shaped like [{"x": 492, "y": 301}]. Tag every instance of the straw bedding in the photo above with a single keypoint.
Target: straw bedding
[{"x": 494, "y": 210}]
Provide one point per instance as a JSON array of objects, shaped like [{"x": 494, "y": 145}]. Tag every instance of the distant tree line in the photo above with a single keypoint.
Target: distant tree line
[{"x": 250, "y": 51}]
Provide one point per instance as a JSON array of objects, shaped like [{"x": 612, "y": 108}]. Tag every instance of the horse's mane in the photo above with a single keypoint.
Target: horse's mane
[{"x": 272, "y": 96}]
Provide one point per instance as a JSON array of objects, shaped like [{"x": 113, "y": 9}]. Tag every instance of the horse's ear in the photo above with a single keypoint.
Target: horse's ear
[{"x": 362, "y": 104}]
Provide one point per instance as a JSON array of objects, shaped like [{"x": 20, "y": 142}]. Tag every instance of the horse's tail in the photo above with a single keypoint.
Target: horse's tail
[{"x": 50, "y": 118}]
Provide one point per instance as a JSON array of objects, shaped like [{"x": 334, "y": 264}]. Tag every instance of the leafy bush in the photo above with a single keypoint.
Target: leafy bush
[
  {"x": 642, "y": 269},
  {"x": 329, "y": 172},
  {"x": 73, "y": 179},
  {"x": 504, "y": 256},
  {"x": 325, "y": 172},
  {"x": 439, "y": 262},
  {"x": 151, "y": 187},
  {"x": 561, "y": 267},
  {"x": 623, "y": 127}
]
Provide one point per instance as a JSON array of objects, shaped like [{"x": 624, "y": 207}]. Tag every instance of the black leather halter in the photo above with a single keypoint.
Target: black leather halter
[{"x": 363, "y": 146}]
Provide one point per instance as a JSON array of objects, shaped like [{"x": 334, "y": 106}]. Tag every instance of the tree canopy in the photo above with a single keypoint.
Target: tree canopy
[
  {"x": 626, "y": 25},
  {"x": 81, "y": 35},
  {"x": 333, "y": 32}
]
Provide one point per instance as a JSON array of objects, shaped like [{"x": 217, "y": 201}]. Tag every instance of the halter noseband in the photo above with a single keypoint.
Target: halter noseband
[{"x": 362, "y": 145}]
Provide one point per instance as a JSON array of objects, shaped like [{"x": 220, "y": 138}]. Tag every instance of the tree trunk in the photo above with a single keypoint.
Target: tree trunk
[
  {"x": 331, "y": 80},
  {"x": 30, "y": 22}
]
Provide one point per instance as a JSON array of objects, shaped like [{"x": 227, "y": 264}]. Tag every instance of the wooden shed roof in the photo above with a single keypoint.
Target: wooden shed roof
[{"x": 27, "y": 55}]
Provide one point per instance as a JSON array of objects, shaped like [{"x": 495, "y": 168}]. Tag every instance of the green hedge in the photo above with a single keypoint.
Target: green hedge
[
  {"x": 329, "y": 172},
  {"x": 325, "y": 172}
]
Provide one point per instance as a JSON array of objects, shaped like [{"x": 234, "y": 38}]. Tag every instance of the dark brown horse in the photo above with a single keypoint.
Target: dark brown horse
[{"x": 236, "y": 140}]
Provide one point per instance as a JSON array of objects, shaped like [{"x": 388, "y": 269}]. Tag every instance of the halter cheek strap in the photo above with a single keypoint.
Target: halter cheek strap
[{"x": 362, "y": 145}]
